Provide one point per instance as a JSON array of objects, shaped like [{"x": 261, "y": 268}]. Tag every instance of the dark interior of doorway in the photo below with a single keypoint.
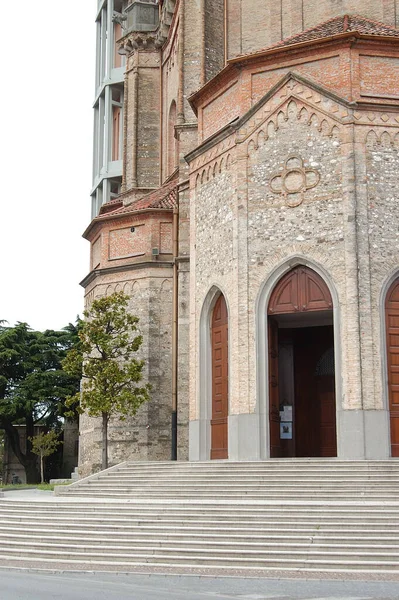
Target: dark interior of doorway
[{"x": 306, "y": 382}]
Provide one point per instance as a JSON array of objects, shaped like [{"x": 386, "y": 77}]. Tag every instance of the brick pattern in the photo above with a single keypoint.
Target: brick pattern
[
  {"x": 214, "y": 37},
  {"x": 165, "y": 245},
  {"x": 96, "y": 253},
  {"x": 387, "y": 82},
  {"x": 125, "y": 243},
  {"x": 220, "y": 111}
]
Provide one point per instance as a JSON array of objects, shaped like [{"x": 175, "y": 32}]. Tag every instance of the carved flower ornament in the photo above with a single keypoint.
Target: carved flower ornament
[{"x": 294, "y": 180}]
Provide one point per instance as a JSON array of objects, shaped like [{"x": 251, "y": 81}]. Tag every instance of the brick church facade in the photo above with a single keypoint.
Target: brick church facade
[{"x": 244, "y": 196}]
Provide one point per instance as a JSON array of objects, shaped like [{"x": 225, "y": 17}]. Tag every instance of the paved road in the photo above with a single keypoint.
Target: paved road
[{"x": 20, "y": 585}]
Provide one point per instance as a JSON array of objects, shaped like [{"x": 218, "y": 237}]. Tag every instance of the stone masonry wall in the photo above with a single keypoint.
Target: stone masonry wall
[
  {"x": 146, "y": 436},
  {"x": 379, "y": 238},
  {"x": 212, "y": 259},
  {"x": 309, "y": 223}
]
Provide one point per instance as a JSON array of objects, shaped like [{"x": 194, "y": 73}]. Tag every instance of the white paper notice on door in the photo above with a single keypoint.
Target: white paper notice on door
[
  {"x": 285, "y": 431},
  {"x": 286, "y": 413}
]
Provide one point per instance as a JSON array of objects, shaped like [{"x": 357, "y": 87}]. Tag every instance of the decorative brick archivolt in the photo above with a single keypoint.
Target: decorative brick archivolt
[
  {"x": 382, "y": 138},
  {"x": 89, "y": 299},
  {"x": 212, "y": 170},
  {"x": 218, "y": 152},
  {"x": 293, "y": 110},
  {"x": 294, "y": 98}
]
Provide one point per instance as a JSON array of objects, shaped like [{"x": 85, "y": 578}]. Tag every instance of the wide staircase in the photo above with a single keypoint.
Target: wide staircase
[{"x": 286, "y": 515}]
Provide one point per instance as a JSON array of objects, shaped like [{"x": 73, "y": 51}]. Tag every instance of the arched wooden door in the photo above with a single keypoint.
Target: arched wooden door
[
  {"x": 302, "y": 414},
  {"x": 392, "y": 335},
  {"x": 220, "y": 382}
]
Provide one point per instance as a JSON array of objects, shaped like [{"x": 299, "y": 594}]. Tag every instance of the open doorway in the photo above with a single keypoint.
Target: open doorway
[{"x": 302, "y": 411}]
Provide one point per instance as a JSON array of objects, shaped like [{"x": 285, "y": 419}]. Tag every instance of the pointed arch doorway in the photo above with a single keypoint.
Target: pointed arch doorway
[
  {"x": 220, "y": 380},
  {"x": 392, "y": 337},
  {"x": 302, "y": 407}
]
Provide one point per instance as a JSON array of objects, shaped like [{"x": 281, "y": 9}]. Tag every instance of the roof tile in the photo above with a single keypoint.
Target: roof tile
[{"x": 165, "y": 197}]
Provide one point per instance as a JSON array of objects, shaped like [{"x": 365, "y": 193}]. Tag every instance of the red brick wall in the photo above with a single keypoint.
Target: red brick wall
[
  {"x": 221, "y": 110},
  {"x": 355, "y": 70},
  {"x": 117, "y": 244}
]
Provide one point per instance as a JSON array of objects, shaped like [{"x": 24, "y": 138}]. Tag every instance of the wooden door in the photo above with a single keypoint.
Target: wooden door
[
  {"x": 392, "y": 335},
  {"x": 300, "y": 290},
  {"x": 220, "y": 381},
  {"x": 274, "y": 400},
  {"x": 315, "y": 412},
  {"x": 325, "y": 393}
]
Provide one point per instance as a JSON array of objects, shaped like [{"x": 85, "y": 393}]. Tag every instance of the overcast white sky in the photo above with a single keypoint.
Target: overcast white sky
[{"x": 47, "y": 52}]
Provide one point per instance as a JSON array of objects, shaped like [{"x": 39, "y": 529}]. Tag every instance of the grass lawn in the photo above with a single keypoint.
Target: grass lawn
[{"x": 27, "y": 486}]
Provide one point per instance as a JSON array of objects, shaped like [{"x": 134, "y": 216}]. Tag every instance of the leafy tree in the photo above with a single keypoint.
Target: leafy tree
[
  {"x": 33, "y": 386},
  {"x": 110, "y": 372},
  {"x": 44, "y": 444},
  {"x": 1, "y": 454}
]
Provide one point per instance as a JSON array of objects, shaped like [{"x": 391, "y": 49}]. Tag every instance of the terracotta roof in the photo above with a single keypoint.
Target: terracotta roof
[
  {"x": 165, "y": 197},
  {"x": 337, "y": 26}
]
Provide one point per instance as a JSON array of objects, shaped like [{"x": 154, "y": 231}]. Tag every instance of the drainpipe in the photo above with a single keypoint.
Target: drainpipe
[{"x": 174, "y": 330}]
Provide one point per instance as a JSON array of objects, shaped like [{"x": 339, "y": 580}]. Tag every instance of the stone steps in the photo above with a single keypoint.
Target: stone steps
[
  {"x": 237, "y": 497},
  {"x": 218, "y": 514},
  {"x": 200, "y": 538},
  {"x": 237, "y": 559}
]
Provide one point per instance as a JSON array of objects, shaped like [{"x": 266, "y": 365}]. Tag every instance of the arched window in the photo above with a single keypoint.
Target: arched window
[{"x": 171, "y": 140}]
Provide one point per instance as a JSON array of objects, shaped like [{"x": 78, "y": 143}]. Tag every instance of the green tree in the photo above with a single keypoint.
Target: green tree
[
  {"x": 44, "y": 444},
  {"x": 110, "y": 372},
  {"x": 2, "y": 455},
  {"x": 33, "y": 385}
]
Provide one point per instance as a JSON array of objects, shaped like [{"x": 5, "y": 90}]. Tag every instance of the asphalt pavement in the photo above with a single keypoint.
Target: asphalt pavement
[{"x": 24, "y": 585}]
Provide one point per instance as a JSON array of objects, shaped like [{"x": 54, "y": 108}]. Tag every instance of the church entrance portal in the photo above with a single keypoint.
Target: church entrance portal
[
  {"x": 302, "y": 412},
  {"x": 392, "y": 335},
  {"x": 220, "y": 383}
]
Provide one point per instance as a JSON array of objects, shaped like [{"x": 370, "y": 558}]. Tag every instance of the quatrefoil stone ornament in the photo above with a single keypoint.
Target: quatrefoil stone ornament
[{"x": 294, "y": 180}]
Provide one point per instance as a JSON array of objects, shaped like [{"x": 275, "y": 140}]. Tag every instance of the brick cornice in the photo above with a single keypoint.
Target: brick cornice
[
  {"x": 97, "y": 223},
  {"x": 120, "y": 269}
]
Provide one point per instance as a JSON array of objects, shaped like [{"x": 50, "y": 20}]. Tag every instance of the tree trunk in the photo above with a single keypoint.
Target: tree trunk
[
  {"x": 42, "y": 468},
  {"x": 32, "y": 476},
  {"x": 105, "y": 441},
  {"x": 30, "y": 458}
]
